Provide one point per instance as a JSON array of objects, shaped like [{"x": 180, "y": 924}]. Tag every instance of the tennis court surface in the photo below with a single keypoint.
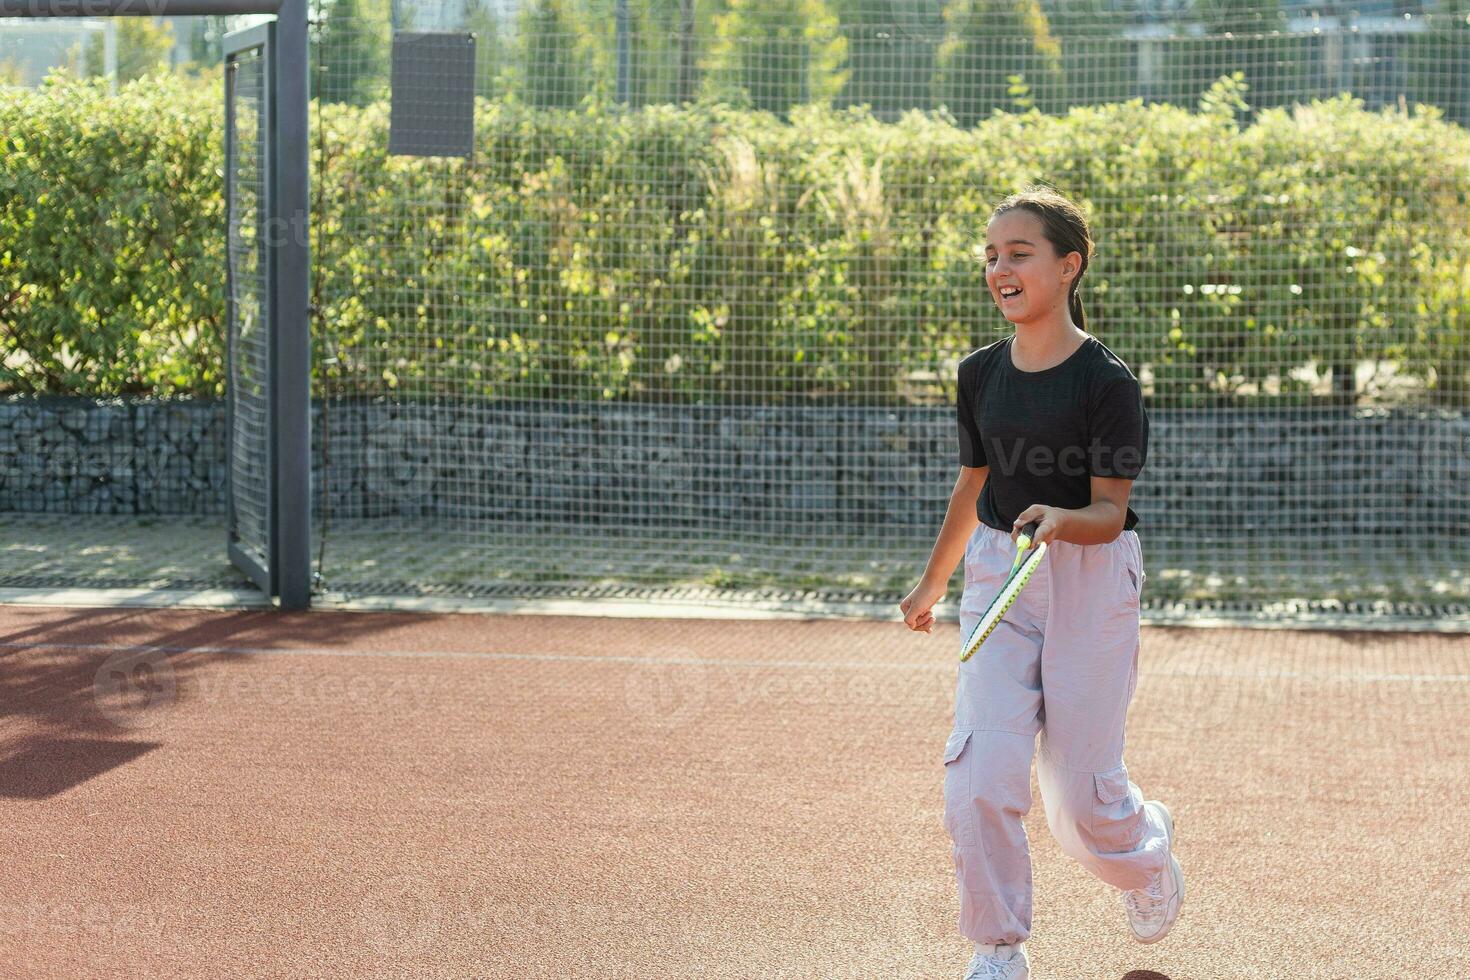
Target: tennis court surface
[{"x": 194, "y": 793}]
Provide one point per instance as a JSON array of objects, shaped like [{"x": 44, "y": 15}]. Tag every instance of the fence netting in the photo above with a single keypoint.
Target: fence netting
[
  {"x": 687, "y": 316},
  {"x": 248, "y": 344}
]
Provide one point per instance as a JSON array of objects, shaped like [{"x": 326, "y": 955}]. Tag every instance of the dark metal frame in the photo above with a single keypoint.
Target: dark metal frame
[
  {"x": 137, "y": 8},
  {"x": 262, "y": 38},
  {"x": 289, "y": 261},
  {"x": 292, "y": 309}
]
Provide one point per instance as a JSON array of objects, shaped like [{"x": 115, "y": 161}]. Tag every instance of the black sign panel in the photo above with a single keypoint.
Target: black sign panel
[{"x": 433, "y": 95}]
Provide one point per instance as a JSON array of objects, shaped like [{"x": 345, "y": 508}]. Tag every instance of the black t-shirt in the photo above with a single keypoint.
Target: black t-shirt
[{"x": 1045, "y": 434}]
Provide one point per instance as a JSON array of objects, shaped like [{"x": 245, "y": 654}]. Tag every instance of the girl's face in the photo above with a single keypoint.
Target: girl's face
[{"x": 1018, "y": 255}]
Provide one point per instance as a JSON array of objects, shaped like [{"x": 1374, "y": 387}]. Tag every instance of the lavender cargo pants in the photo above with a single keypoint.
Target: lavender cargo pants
[{"x": 1063, "y": 663}]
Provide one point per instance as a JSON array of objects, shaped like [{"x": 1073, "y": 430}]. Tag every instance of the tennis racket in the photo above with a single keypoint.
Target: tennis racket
[{"x": 1027, "y": 558}]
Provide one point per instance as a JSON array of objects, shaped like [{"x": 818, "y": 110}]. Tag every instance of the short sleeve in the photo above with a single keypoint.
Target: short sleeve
[
  {"x": 972, "y": 453},
  {"x": 1117, "y": 428}
]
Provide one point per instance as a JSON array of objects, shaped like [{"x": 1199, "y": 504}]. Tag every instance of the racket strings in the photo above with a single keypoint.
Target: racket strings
[{"x": 1027, "y": 561}]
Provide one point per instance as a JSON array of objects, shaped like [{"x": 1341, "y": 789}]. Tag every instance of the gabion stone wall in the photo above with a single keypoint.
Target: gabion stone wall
[
  {"x": 1209, "y": 472},
  {"x": 83, "y": 456}
]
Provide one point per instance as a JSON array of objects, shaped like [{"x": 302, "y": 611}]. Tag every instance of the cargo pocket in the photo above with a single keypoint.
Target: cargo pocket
[
  {"x": 1116, "y": 822},
  {"x": 959, "y": 807},
  {"x": 1112, "y": 785}
]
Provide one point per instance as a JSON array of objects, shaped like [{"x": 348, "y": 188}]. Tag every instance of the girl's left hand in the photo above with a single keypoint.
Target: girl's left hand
[{"x": 1051, "y": 518}]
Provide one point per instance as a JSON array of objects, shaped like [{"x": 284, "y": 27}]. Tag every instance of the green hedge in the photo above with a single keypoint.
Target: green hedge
[
  {"x": 111, "y": 262},
  {"x": 703, "y": 253}
]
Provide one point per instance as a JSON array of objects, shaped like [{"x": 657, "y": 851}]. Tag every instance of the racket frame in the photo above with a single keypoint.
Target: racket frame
[{"x": 1026, "y": 560}]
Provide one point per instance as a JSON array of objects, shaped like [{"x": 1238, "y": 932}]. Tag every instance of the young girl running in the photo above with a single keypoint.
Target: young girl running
[{"x": 1051, "y": 429}]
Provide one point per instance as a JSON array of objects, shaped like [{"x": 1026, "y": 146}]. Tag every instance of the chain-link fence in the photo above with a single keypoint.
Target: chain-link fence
[{"x": 689, "y": 312}]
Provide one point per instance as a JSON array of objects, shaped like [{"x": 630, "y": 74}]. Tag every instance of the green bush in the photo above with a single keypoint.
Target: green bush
[
  {"x": 708, "y": 253},
  {"x": 111, "y": 257}
]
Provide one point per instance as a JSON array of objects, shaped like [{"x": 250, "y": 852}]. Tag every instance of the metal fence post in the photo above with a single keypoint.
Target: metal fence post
[{"x": 293, "y": 299}]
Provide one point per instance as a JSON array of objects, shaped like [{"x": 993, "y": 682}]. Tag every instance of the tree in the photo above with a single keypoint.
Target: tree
[
  {"x": 684, "y": 87},
  {"x": 1240, "y": 16},
  {"x": 989, "y": 43},
  {"x": 780, "y": 53},
  {"x": 206, "y": 42},
  {"x": 352, "y": 52},
  {"x": 493, "y": 51},
  {"x": 143, "y": 46},
  {"x": 1245, "y": 35},
  {"x": 663, "y": 42},
  {"x": 11, "y": 74},
  {"x": 891, "y": 52},
  {"x": 663, "y": 36},
  {"x": 1098, "y": 63},
  {"x": 558, "y": 57}
]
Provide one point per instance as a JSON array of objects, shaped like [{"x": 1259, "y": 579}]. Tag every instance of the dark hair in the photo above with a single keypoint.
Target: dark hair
[{"x": 1064, "y": 225}]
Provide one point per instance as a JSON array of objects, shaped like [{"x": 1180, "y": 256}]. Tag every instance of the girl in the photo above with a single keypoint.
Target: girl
[{"x": 1052, "y": 429}]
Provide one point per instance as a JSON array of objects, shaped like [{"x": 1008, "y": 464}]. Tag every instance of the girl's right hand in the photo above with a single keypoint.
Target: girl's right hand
[{"x": 918, "y": 607}]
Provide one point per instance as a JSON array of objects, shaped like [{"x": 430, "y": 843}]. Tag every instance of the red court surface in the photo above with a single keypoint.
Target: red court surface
[{"x": 255, "y": 794}]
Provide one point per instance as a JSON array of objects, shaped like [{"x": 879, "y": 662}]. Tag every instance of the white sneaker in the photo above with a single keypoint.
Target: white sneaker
[
  {"x": 1152, "y": 910},
  {"x": 999, "y": 961}
]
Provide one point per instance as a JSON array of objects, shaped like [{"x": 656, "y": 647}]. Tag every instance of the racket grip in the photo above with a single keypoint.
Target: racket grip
[{"x": 1030, "y": 529}]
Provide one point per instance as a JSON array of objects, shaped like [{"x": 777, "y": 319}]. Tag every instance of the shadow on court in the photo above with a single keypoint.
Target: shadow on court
[
  {"x": 42, "y": 768},
  {"x": 109, "y": 671}
]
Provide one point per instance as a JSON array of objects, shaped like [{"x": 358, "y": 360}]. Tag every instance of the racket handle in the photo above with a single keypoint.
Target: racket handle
[{"x": 1023, "y": 543}]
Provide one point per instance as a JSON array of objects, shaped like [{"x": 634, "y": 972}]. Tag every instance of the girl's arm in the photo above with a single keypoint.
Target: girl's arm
[
  {"x": 1098, "y": 523},
  {"x": 960, "y": 520}
]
